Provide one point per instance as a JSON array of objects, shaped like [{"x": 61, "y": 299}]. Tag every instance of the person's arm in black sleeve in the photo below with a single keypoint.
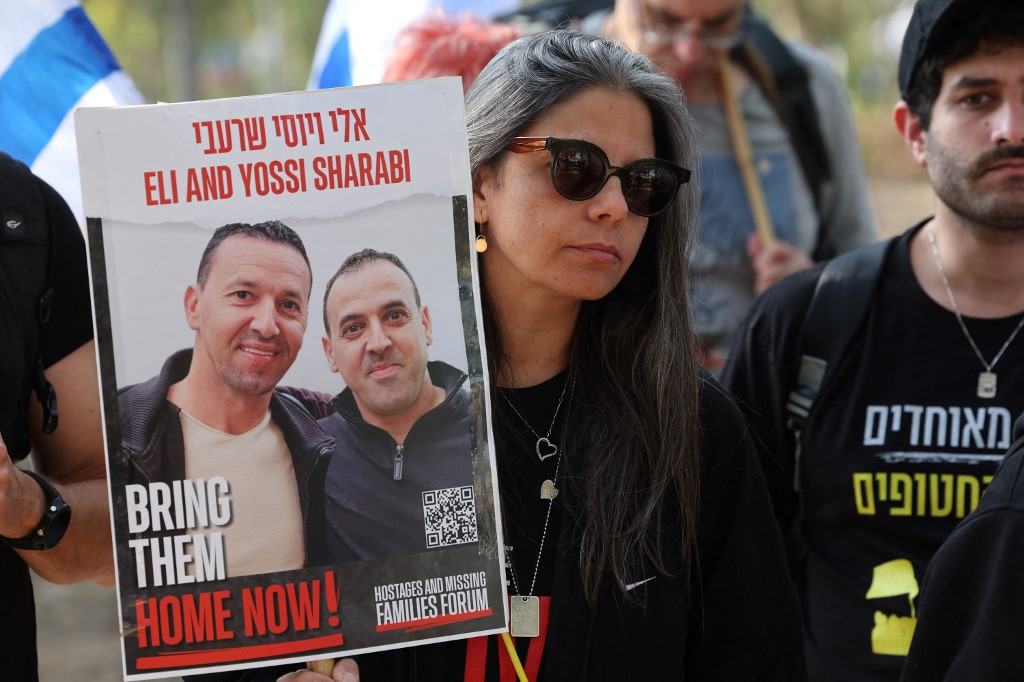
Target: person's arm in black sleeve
[
  {"x": 971, "y": 612},
  {"x": 316, "y": 402},
  {"x": 759, "y": 374},
  {"x": 71, "y": 457},
  {"x": 747, "y": 621}
]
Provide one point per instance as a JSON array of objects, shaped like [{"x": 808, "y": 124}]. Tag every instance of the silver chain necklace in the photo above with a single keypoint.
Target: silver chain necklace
[
  {"x": 524, "y": 610},
  {"x": 544, "y": 447},
  {"x": 524, "y": 616},
  {"x": 986, "y": 379}
]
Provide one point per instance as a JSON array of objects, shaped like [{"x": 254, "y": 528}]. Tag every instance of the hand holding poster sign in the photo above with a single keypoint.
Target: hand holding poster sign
[{"x": 258, "y": 519}]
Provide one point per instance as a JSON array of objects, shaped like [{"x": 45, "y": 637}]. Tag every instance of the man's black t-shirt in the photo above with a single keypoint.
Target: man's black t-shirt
[
  {"x": 899, "y": 449},
  {"x": 69, "y": 327}
]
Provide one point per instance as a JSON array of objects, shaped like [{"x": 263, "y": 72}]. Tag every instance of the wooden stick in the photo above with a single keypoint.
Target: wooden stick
[
  {"x": 324, "y": 666},
  {"x": 744, "y": 154}
]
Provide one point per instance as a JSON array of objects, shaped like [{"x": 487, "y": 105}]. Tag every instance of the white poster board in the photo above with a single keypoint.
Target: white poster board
[{"x": 379, "y": 167}]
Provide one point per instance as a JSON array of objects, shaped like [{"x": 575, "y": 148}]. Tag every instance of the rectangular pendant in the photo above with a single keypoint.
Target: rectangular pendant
[
  {"x": 524, "y": 618},
  {"x": 987, "y": 385}
]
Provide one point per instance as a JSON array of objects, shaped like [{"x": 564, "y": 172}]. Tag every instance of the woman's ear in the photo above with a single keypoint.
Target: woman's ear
[{"x": 483, "y": 185}]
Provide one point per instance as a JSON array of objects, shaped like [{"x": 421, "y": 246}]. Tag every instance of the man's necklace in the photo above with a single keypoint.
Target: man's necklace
[
  {"x": 986, "y": 379},
  {"x": 524, "y": 610},
  {"x": 544, "y": 447}
]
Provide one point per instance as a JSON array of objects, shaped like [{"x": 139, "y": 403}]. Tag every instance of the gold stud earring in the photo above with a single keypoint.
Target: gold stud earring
[{"x": 481, "y": 243}]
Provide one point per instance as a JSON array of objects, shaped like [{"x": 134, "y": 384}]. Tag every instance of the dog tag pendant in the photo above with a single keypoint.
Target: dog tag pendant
[
  {"x": 987, "y": 385},
  {"x": 524, "y": 619}
]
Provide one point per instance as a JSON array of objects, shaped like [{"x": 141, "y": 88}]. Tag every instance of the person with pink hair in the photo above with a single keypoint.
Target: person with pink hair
[{"x": 441, "y": 45}]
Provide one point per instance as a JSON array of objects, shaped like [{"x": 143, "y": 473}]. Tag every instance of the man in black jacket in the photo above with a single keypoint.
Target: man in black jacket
[
  {"x": 402, "y": 425},
  {"x": 213, "y": 414}
]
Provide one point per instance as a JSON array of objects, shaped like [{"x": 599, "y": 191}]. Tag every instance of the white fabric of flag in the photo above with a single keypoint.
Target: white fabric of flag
[
  {"x": 356, "y": 35},
  {"x": 52, "y": 61}
]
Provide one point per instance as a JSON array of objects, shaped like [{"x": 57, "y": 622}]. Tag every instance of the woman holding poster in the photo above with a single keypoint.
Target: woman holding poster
[{"x": 639, "y": 538}]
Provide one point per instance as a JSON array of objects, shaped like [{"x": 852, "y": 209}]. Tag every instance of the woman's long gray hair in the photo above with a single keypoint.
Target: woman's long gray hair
[{"x": 632, "y": 440}]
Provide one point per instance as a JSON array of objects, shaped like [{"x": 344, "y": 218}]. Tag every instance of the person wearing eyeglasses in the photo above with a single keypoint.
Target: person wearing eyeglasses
[
  {"x": 783, "y": 184},
  {"x": 639, "y": 538}
]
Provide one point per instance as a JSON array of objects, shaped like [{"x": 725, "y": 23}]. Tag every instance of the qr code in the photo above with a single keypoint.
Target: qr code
[{"x": 449, "y": 516}]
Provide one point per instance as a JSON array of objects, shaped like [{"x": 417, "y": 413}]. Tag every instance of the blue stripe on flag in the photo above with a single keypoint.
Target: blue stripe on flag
[
  {"x": 338, "y": 69},
  {"x": 44, "y": 82}
]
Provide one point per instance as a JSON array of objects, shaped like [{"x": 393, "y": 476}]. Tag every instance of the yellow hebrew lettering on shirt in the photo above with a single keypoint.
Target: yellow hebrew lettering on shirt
[
  {"x": 919, "y": 494},
  {"x": 920, "y": 491},
  {"x": 902, "y": 490},
  {"x": 892, "y": 633},
  {"x": 945, "y": 508},
  {"x": 864, "y": 494}
]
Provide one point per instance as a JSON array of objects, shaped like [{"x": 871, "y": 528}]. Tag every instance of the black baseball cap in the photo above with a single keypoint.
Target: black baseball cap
[{"x": 929, "y": 19}]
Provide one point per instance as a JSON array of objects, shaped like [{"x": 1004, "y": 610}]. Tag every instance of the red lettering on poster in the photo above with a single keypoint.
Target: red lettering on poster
[
  {"x": 170, "y": 624},
  {"x": 188, "y": 659},
  {"x": 190, "y": 618},
  {"x": 160, "y": 191}
]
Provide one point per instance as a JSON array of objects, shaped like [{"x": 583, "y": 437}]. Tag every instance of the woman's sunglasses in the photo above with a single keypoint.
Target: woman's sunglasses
[{"x": 580, "y": 169}]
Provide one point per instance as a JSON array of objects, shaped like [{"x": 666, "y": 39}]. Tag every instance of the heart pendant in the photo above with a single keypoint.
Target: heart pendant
[
  {"x": 546, "y": 448},
  {"x": 548, "y": 491}
]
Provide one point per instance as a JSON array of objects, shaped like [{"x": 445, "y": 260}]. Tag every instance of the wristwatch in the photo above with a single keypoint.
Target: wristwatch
[{"x": 51, "y": 527}]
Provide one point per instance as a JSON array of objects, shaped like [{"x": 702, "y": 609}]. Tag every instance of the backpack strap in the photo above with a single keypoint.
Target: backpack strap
[
  {"x": 838, "y": 309},
  {"x": 25, "y": 297}
]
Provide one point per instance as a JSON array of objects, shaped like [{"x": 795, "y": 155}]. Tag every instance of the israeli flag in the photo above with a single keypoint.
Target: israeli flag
[
  {"x": 357, "y": 35},
  {"x": 52, "y": 61}
]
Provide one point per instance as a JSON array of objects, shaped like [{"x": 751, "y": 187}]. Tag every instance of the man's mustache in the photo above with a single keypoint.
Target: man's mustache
[
  {"x": 273, "y": 343},
  {"x": 988, "y": 159},
  {"x": 374, "y": 358}
]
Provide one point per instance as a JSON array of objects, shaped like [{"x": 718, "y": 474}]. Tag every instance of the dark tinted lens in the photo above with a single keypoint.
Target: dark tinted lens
[
  {"x": 578, "y": 173},
  {"x": 648, "y": 188}
]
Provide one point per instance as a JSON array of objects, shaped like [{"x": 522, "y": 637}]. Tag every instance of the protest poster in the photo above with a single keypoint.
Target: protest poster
[{"x": 229, "y": 553}]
